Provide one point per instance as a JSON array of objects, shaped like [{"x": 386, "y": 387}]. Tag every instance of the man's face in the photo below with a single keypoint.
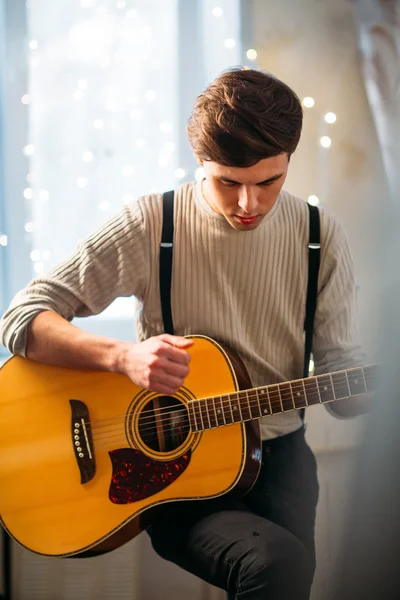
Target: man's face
[{"x": 244, "y": 195}]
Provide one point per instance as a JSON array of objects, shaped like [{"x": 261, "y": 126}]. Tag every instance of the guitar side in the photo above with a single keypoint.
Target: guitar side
[{"x": 56, "y": 503}]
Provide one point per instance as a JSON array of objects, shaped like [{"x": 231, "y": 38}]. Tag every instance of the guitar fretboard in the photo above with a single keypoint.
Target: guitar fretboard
[{"x": 252, "y": 404}]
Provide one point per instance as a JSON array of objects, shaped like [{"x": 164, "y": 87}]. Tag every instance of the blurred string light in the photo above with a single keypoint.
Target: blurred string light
[
  {"x": 217, "y": 11},
  {"x": 165, "y": 127},
  {"x": 330, "y": 118},
  {"x": 150, "y": 95},
  {"x": 326, "y": 141},
  {"x": 180, "y": 173},
  {"x": 104, "y": 206},
  {"x": 87, "y": 156},
  {"x": 44, "y": 195},
  {"x": 38, "y": 267},
  {"x": 313, "y": 200},
  {"x": 28, "y": 150},
  {"x": 3, "y": 239},
  {"x": 230, "y": 43},
  {"x": 251, "y": 54},
  {"x": 308, "y": 102}
]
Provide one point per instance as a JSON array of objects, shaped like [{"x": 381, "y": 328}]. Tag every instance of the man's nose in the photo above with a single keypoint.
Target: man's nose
[{"x": 248, "y": 200}]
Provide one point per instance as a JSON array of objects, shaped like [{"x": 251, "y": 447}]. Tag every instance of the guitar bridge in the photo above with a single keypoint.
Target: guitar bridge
[{"x": 82, "y": 440}]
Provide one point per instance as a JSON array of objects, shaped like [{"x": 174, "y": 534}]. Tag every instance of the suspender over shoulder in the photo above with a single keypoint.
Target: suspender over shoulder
[
  {"x": 166, "y": 252},
  {"x": 314, "y": 251}
]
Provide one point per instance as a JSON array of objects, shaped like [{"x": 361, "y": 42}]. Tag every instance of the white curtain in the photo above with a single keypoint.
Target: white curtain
[{"x": 379, "y": 27}]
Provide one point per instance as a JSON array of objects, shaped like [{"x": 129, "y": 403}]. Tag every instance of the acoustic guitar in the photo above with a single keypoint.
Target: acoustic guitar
[{"x": 87, "y": 458}]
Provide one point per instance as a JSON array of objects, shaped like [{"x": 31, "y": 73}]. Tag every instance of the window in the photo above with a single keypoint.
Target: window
[{"x": 99, "y": 96}]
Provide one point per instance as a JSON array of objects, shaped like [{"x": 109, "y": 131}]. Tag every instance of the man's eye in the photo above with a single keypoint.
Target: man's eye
[{"x": 229, "y": 183}]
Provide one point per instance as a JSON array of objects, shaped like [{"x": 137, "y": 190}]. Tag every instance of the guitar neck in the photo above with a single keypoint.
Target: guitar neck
[{"x": 255, "y": 403}]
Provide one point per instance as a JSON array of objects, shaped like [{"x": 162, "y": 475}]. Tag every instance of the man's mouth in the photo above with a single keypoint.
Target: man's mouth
[{"x": 246, "y": 220}]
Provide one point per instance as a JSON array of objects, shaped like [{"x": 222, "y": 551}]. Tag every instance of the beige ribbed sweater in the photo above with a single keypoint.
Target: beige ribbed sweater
[{"x": 244, "y": 288}]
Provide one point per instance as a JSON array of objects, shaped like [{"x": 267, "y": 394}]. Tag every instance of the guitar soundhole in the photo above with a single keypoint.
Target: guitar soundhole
[{"x": 164, "y": 424}]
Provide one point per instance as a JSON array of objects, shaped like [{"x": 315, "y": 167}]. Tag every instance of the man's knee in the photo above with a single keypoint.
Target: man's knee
[{"x": 282, "y": 567}]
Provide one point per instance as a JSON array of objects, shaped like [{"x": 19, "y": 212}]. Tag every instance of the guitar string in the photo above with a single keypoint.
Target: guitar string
[
  {"x": 262, "y": 389},
  {"x": 244, "y": 395},
  {"x": 186, "y": 429},
  {"x": 285, "y": 395},
  {"x": 213, "y": 424},
  {"x": 227, "y": 405},
  {"x": 205, "y": 414},
  {"x": 206, "y": 420}
]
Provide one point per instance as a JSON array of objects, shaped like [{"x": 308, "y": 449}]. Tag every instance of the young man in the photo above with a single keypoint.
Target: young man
[{"x": 240, "y": 276}]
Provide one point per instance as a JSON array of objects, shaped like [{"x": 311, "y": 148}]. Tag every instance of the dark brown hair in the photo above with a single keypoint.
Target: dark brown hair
[{"x": 244, "y": 116}]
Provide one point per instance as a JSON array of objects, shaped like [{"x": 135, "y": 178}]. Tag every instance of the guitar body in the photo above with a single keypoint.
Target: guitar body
[{"x": 86, "y": 457}]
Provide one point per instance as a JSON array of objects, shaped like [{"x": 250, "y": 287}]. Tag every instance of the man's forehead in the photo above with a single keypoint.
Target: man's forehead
[{"x": 265, "y": 169}]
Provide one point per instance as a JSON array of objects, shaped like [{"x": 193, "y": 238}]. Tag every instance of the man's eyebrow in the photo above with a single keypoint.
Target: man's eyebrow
[{"x": 269, "y": 180}]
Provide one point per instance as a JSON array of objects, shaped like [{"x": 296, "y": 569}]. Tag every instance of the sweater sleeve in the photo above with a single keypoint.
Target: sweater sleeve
[
  {"x": 110, "y": 263},
  {"x": 336, "y": 343}
]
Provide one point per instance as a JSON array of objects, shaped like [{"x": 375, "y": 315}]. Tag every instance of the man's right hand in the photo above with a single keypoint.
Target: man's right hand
[{"x": 159, "y": 364}]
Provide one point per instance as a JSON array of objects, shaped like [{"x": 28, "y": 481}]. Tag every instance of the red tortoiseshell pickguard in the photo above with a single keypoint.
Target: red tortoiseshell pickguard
[{"x": 136, "y": 476}]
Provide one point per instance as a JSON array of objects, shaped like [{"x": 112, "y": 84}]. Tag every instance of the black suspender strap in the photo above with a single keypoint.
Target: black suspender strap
[
  {"x": 314, "y": 252},
  {"x": 167, "y": 243}
]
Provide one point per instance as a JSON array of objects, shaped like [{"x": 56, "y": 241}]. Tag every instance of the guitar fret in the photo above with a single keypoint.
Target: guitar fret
[
  {"x": 286, "y": 396},
  {"x": 275, "y": 401},
  {"x": 212, "y": 417},
  {"x": 258, "y": 403},
  {"x": 341, "y": 386},
  {"x": 313, "y": 396},
  {"x": 192, "y": 417},
  {"x": 245, "y": 406},
  {"x": 333, "y": 387},
  {"x": 292, "y": 394},
  {"x": 268, "y": 409},
  {"x": 269, "y": 392},
  {"x": 197, "y": 412},
  {"x": 356, "y": 381},
  {"x": 365, "y": 383},
  {"x": 215, "y": 413},
  {"x": 203, "y": 413},
  {"x": 222, "y": 409},
  {"x": 248, "y": 403},
  {"x": 299, "y": 395},
  {"x": 230, "y": 408},
  {"x": 348, "y": 384},
  {"x": 325, "y": 388},
  {"x": 239, "y": 405},
  {"x": 208, "y": 414},
  {"x": 280, "y": 396},
  {"x": 305, "y": 392}
]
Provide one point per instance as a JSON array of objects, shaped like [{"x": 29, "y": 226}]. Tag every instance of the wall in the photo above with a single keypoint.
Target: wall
[{"x": 313, "y": 46}]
